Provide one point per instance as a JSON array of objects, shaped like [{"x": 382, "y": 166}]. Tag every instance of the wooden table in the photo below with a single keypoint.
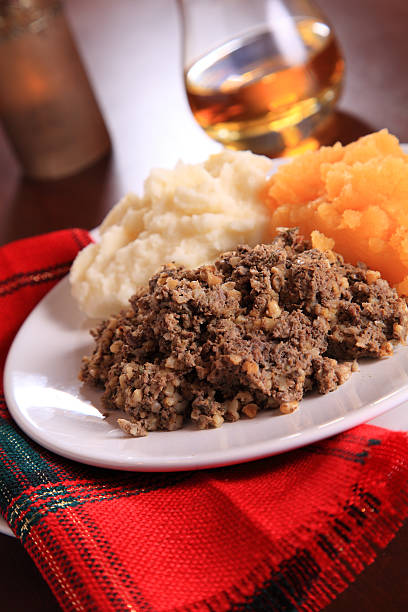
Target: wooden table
[{"x": 132, "y": 51}]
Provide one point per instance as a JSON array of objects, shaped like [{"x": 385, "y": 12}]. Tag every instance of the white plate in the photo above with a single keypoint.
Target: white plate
[
  {"x": 4, "y": 528},
  {"x": 49, "y": 403}
]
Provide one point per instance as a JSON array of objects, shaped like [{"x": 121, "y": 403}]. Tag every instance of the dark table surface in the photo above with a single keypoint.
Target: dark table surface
[{"x": 132, "y": 51}]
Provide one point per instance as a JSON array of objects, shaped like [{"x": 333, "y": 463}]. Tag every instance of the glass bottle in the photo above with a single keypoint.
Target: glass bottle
[{"x": 47, "y": 106}]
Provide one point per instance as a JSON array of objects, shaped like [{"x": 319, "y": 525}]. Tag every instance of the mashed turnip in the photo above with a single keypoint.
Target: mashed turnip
[{"x": 356, "y": 195}]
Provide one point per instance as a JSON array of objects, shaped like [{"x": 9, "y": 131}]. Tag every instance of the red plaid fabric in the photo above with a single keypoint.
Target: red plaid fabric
[{"x": 285, "y": 533}]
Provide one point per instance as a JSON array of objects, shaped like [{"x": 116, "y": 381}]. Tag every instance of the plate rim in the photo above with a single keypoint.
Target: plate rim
[
  {"x": 230, "y": 456},
  {"x": 233, "y": 455}
]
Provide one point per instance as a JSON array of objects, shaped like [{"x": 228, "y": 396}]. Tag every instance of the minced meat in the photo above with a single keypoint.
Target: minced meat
[{"x": 253, "y": 331}]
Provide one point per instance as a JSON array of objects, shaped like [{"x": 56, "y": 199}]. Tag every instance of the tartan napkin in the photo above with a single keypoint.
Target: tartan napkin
[{"x": 285, "y": 533}]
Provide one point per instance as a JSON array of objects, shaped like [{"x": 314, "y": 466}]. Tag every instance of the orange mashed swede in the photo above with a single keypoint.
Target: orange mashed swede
[{"x": 356, "y": 195}]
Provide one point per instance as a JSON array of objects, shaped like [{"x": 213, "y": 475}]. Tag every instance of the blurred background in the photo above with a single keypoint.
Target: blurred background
[{"x": 132, "y": 52}]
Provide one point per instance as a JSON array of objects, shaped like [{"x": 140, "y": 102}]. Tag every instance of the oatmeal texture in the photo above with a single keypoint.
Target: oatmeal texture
[{"x": 254, "y": 331}]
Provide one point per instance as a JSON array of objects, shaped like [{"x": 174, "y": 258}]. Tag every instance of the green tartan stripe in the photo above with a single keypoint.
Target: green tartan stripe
[
  {"x": 22, "y": 465},
  {"x": 31, "y": 486},
  {"x": 28, "y": 511},
  {"x": 115, "y": 561},
  {"x": 74, "y": 578},
  {"x": 116, "y": 593},
  {"x": 35, "y": 504}
]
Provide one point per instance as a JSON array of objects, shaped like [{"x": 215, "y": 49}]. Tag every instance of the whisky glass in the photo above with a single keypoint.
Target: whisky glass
[{"x": 262, "y": 75}]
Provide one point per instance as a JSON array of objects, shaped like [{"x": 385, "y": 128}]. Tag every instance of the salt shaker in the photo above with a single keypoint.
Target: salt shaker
[{"x": 47, "y": 105}]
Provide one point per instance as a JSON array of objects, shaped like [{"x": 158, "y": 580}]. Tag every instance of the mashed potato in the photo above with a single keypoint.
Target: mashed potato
[{"x": 187, "y": 215}]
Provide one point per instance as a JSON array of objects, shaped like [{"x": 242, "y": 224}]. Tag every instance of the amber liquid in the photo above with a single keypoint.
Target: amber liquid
[{"x": 250, "y": 94}]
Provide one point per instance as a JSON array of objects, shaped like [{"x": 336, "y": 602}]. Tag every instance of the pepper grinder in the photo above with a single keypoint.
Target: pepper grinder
[{"x": 47, "y": 106}]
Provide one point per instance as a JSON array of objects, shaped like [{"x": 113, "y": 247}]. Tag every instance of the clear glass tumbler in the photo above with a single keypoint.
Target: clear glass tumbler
[{"x": 261, "y": 74}]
